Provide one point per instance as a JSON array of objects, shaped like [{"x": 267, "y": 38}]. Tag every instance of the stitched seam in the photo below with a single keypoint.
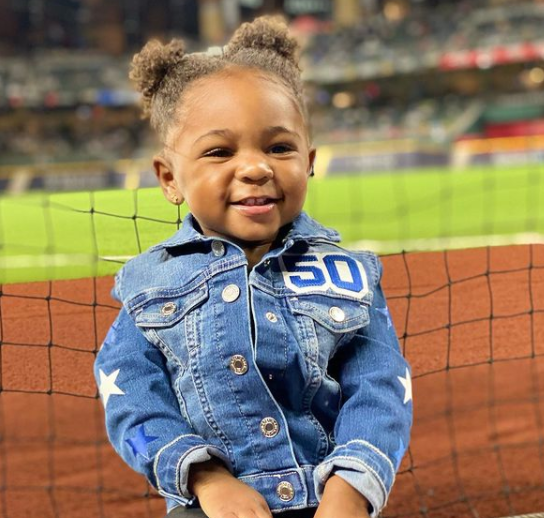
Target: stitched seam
[
  {"x": 201, "y": 278},
  {"x": 180, "y": 462},
  {"x": 169, "y": 293},
  {"x": 184, "y": 501},
  {"x": 371, "y": 447},
  {"x": 160, "y": 291},
  {"x": 231, "y": 385},
  {"x": 160, "y": 452},
  {"x": 274, "y": 475},
  {"x": 366, "y": 466},
  {"x": 164, "y": 348}
]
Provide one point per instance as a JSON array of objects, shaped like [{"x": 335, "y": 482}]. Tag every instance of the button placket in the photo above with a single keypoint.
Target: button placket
[
  {"x": 337, "y": 314},
  {"x": 269, "y": 427},
  {"x": 168, "y": 309},
  {"x": 238, "y": 364},
  {"x": 272, "y": 317},
  {"x": 218, "y": 248},
  {"x": 230, "y": 293},
  {"x": 285, "y": 491}
]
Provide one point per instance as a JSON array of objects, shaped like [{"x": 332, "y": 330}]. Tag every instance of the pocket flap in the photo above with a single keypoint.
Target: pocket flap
[
  {"x": 163, "y": 309},
  {"x": 338, "y": 315}
]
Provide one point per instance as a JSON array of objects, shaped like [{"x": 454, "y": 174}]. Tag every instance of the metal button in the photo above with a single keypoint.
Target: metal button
[
  {"x": 272, "y": 316},
  {"x": 285, "y": 491},
  {"x": 337, "y": 314},
  {"x": 270, "y": 427},
  {"x": 238, "y": 364},
  {"x": 168, "y": 309},
  {"x": 218, "y": 248},
  {"x": 231, "y": 293},
  {"x": 266, "y": 263}
]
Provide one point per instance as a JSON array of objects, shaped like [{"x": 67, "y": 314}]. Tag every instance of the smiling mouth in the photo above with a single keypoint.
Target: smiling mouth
[
  {"x": 251, "y": 202},
  {"x": 256, "y": 207}
]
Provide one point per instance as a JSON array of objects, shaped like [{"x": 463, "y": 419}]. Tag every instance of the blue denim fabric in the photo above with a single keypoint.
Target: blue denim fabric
[{"x": 322, "y": 361}]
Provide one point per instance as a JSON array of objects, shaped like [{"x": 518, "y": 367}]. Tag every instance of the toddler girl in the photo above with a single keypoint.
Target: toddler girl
[{"x": 253, "y": 367}]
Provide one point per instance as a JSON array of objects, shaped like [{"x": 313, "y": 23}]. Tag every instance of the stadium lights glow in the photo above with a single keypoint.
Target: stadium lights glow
[
  {"x": 395, "y": 10},
  {"x": 536, "y": 75},
  {"x": 343, "y": 100}
]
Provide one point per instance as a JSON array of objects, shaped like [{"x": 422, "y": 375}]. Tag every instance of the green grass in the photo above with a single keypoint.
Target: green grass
[{"x": 54, "y": 236}]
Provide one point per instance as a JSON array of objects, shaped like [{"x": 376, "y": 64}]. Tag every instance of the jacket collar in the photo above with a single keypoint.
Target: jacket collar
[{"x": 303, "y": 228}]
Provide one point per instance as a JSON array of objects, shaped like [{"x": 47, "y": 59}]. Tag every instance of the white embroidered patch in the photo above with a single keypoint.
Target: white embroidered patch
[
  {"x": 108, "y": 387},
  {"x": 407, "y": 384},
  {"x": 340, "y": 273}
]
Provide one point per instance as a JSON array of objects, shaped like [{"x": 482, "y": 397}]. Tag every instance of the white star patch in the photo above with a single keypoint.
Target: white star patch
[
  {"x": 108, "y": 386},
  {"x": 407, "y": 384}
]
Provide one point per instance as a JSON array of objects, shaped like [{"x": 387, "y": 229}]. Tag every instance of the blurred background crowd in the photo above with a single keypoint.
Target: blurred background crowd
[{"x": 446, "y": 74}]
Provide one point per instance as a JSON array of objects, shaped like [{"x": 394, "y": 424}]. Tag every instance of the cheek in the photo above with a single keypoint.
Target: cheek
[
  {"x": 207, "y": 186},
  {"x": 297, "y": 186}
]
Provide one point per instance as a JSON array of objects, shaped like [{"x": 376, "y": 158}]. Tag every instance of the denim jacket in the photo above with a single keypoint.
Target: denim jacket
[{"x": 287, "y": 374}]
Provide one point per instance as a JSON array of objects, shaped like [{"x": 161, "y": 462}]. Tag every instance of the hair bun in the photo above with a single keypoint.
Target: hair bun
[
  {"x": 265, "y": 33},
  {"x": 152, "y": 63}
]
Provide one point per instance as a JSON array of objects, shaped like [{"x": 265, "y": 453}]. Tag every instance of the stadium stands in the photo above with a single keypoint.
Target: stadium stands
[{"x": 377, "y": 80}]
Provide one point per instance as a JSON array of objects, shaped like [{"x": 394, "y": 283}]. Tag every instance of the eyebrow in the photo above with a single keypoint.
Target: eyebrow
[{"x": 270, "y": 131}]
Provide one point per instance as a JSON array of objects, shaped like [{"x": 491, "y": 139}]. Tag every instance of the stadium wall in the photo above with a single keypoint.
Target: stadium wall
[{"x": 471, "y": 323}]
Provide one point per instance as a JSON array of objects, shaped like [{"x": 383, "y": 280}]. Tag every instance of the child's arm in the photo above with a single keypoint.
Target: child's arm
[
  {"x": 143, "y": 417},
  {"x": 221, "y": 494},
  {"x": 373, "y": 426},
  {"x": 339, "y": 494}
]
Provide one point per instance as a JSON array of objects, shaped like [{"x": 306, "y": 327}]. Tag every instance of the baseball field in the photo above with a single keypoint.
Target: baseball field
[{"x": 70, "y": 235}]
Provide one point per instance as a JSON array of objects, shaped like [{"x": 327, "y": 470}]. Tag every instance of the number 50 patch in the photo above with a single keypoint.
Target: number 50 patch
[{"x": 310, "y": 272}]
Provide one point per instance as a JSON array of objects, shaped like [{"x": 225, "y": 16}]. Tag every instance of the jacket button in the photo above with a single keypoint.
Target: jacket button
[
  {"x": 272, "y": 316},
  {"x": 238, "y": 364},
  {"x": 285, "y": 491},
  {"x": 337, "y": 314},
  {"x": 269, "y": 427},
  {"x": 218, "y": 248},
  {"x": 231, "y": 293},
  {"x": 168, "y": 309}
]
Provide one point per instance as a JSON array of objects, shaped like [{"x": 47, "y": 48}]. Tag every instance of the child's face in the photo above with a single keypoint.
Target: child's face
[{"x": 240, "y": 157}]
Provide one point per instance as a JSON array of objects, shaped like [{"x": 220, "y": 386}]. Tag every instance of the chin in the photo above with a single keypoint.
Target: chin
[
  {"x": 256, "y": 238},
  {"x": 256, "y": 233}
]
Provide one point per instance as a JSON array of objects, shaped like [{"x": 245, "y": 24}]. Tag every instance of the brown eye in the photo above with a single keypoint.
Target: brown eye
[
  {"x": 281, "y": 148},
  {"x": 218, "y": 152}
]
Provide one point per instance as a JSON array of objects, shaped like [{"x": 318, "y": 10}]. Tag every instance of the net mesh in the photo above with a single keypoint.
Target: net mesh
[{"x": 470, "y": 322}]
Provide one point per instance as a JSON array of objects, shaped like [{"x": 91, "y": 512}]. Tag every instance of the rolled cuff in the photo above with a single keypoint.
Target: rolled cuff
[
  {"x": 364, "y": 467},
  {"x": 365, "y": 485},
  {"x": 173, "y": 462}
]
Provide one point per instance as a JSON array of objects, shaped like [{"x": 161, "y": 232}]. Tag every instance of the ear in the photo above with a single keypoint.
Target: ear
[
  {"x": 311, "y": 160},
  {"x": 165, "y": 174}
]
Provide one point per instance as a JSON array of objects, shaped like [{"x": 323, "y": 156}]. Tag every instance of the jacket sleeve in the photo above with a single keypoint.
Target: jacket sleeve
[
  {"x": 143, "y": 417},
  {"x": 373, "y": 427}
]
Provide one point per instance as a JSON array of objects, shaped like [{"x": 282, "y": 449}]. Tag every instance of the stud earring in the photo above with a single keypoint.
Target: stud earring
[{"x": 175, "y": 199}]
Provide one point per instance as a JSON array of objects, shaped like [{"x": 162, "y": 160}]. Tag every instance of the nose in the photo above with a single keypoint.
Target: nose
[{"x": 254, "y": 170}]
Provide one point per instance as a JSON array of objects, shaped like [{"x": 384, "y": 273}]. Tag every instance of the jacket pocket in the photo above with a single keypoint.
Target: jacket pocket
[
  {"x": 162, "y": 314},
  {"x": 338, "y": 315},
  {"x": 164, "y": 308}
]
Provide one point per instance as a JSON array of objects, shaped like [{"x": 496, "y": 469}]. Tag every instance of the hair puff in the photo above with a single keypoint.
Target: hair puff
[
  {"x": 265, "y": 33},
  {"x": 151, "y": 65},
  {"x": 164, "y": 72}
]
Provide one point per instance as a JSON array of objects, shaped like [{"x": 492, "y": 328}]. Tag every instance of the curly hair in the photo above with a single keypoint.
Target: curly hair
[{"x": 162, "y": 72}]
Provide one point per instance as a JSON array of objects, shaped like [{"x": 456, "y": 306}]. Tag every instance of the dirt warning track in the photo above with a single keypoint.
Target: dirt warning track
[{"x": 470, "y": 322}]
